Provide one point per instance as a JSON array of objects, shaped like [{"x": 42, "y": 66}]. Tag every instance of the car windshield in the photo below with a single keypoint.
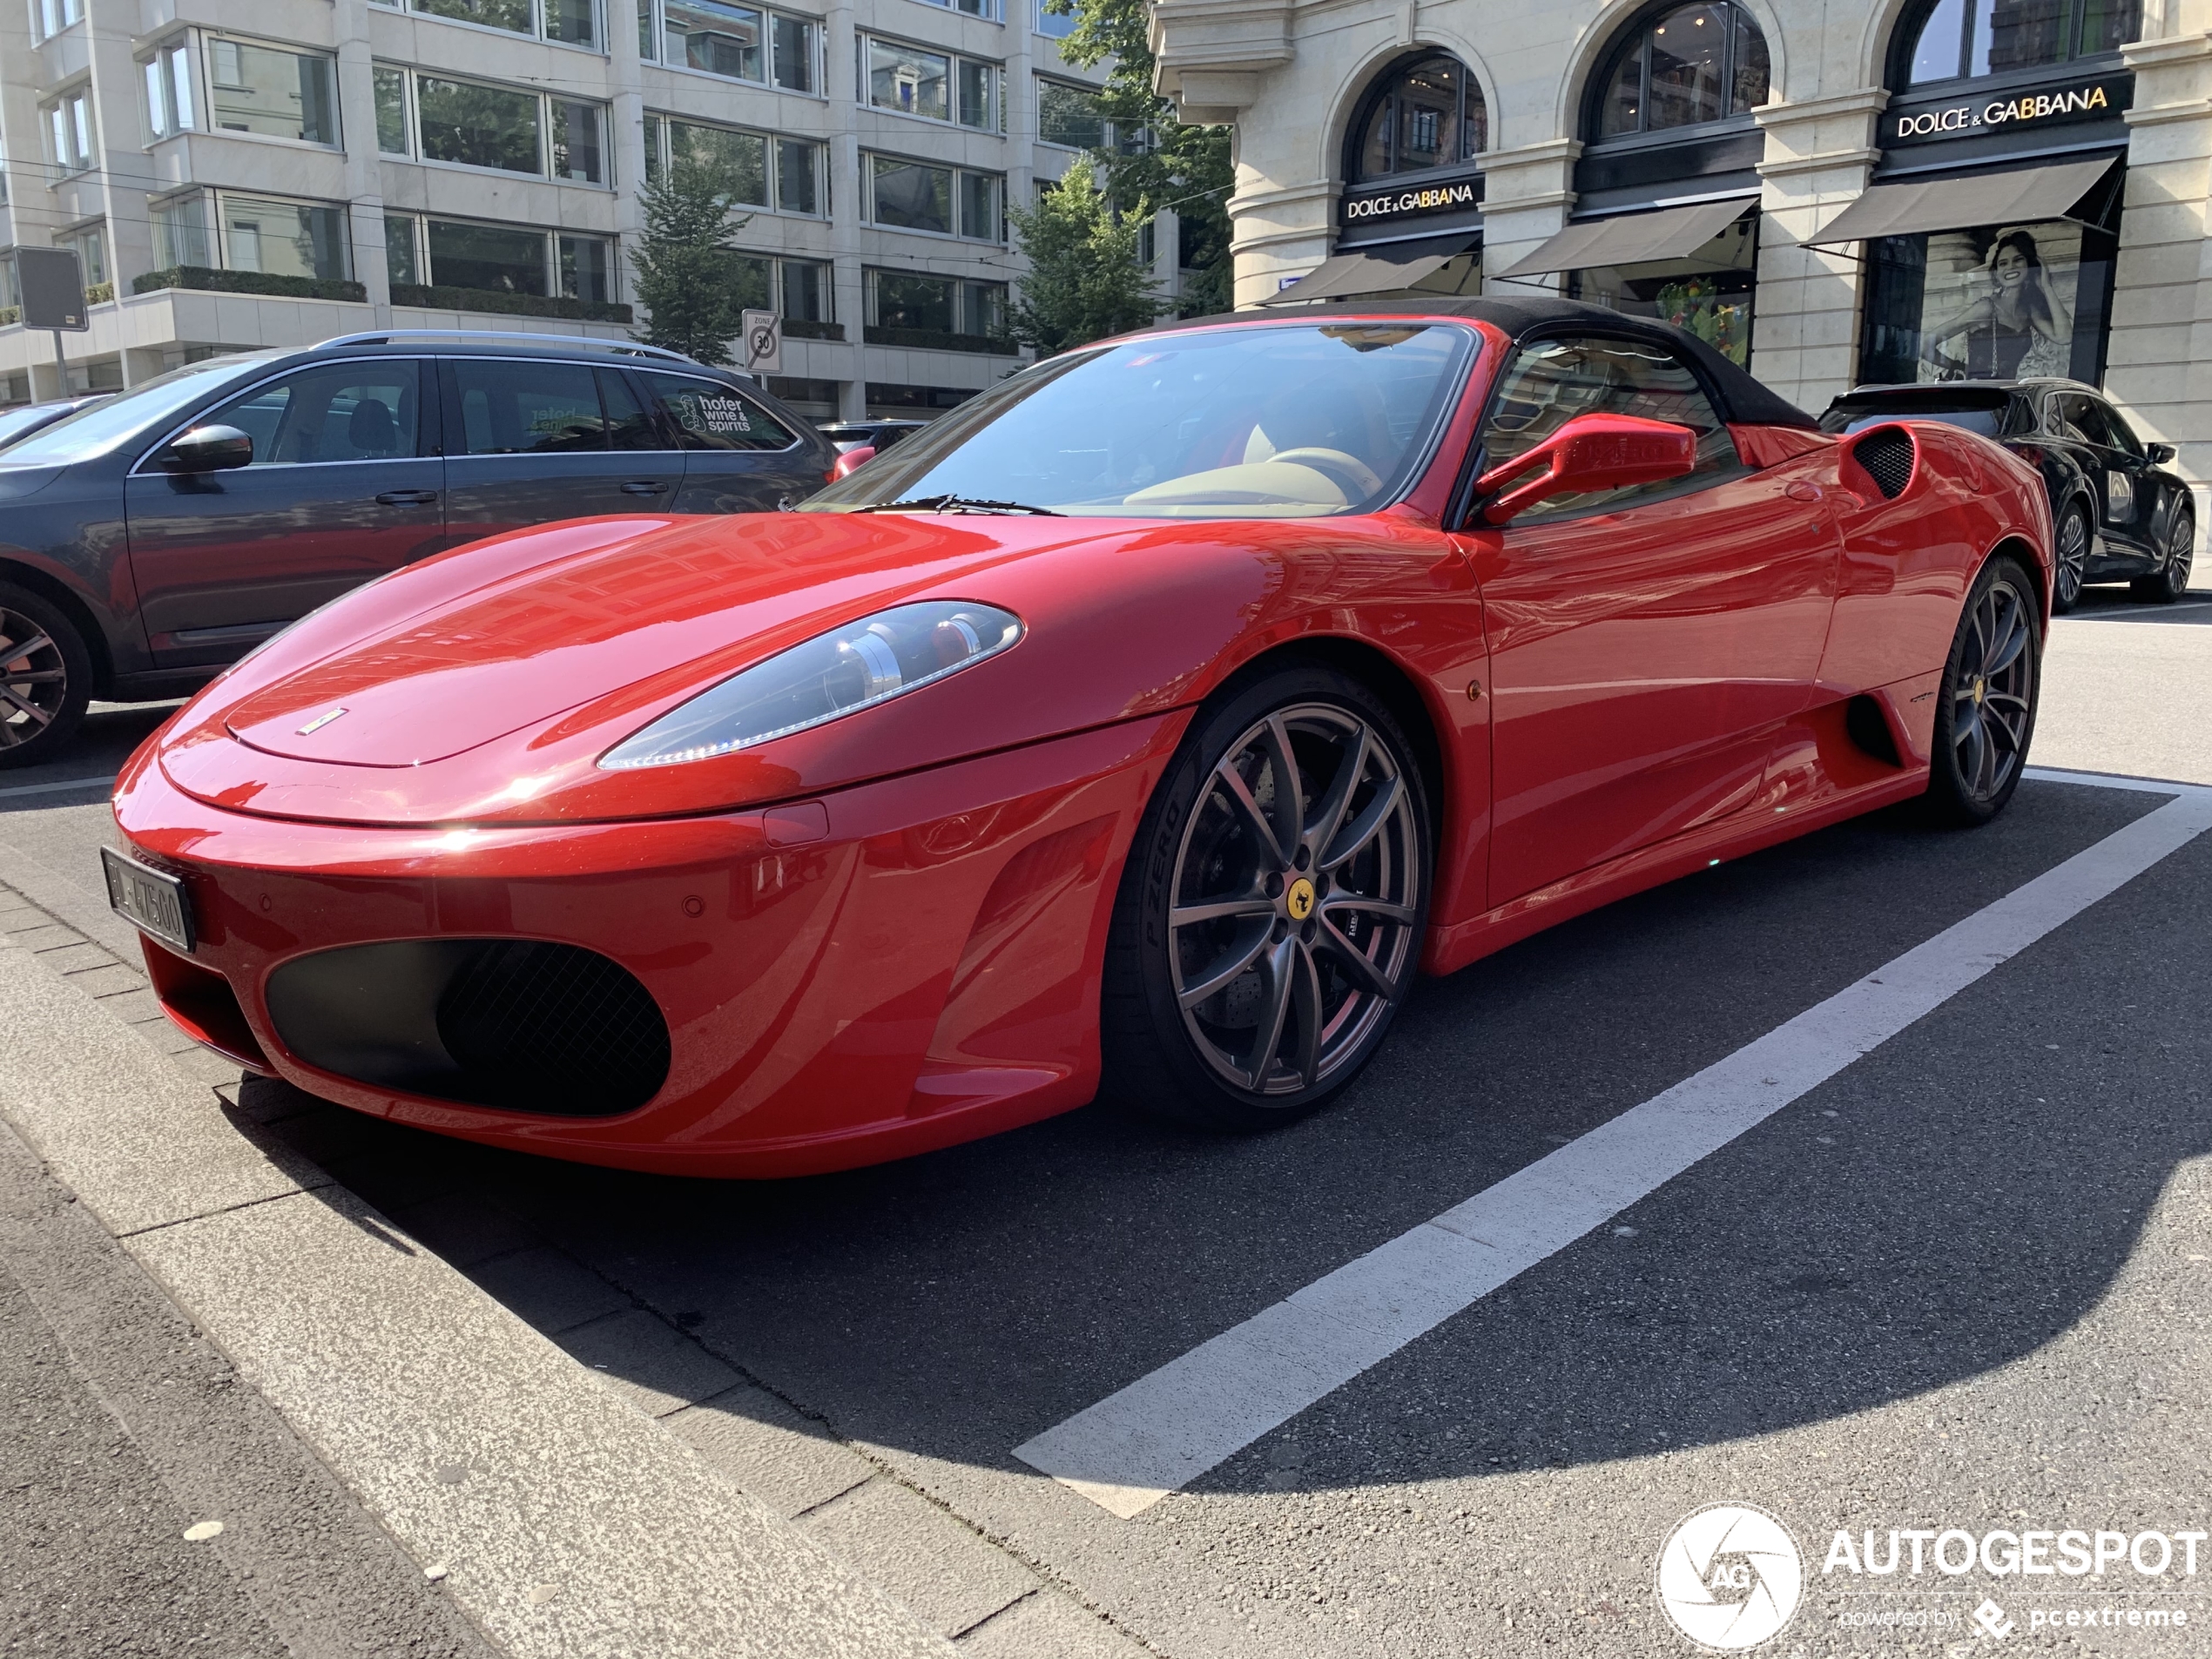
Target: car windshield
[
  {"x": 105, "y": 425},
  {"x": 1982, "y": 415},
  {"x": 1280, "y": 420}
]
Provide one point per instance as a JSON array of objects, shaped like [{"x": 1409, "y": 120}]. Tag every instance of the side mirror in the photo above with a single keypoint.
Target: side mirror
[
  {"x": 208, "y": 448},
  {"x": 1591, "y": 452},
  {"x": 2161, "y": 454},
  {"x": 850, "y": 463}
]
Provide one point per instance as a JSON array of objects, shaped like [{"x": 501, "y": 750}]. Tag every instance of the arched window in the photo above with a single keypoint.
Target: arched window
[
  {"x": 1428, "y": 112},
  {"x": 1955, "y": 38},
  {"x": 1682, "y": 68}
]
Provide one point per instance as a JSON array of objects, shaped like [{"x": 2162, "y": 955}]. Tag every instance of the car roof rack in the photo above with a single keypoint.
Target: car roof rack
[{"x": 621, "y": 347}]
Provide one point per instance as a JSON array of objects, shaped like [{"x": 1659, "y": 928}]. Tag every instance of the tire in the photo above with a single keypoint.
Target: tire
[
  {"x": 2171, "y": 580},
  {"x": 1264, "y": 1008},
  {"x": 1986, "y": 710},
  {"x": 45, "y": 677},
  {"x": 2070, "y": 555}
]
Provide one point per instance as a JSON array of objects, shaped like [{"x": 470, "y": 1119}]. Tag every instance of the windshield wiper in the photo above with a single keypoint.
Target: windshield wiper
[{"x": 957, "y": 504}]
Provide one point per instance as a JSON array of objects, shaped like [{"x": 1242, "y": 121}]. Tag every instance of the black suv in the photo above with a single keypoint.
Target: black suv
[
  {"x": 150, "y": 540},
  {"x": 2118, "y": 515}
]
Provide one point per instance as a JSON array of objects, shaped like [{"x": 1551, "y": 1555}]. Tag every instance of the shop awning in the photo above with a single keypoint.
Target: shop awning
[
  {"x": 1632, "y": 239},
  {"x": 1382, "y": 269},
  {"x": 2017, "y": 196}
]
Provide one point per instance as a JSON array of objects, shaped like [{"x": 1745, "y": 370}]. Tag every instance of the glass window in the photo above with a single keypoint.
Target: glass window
[
  {"x": 799, "y": 176},
  {"x": 1055, "y": 24},
  {"x": 756, "y": 276},
  {"x": 708, "y": 35},
  {"x": 901, "y": 301},
  {"x": 478, "y": 125},
  {"x": 796, "y": 70},
  {"x": 908, "y": 79},
  {"x": 1693, "y": 65},
  {"x": 91, "y": 247},
  {"x": 586, "y": 269},
  {"x": 180, "y": 231},
  {"x": 491, "y": 256},
  {"x": 806, "y": 291},
  {"x": 2083, "y": 419},
  {"x": 54, "y": 16},
  {"x": 982, "y": 307},
  {"x": 1997, "y": 303},
  {"x": 402, "y": 265},
  {"x": 391, "y": 110},
  {"x": 1966, "y": 37},
  {"x": 1429, "y": 113},
  {"x": 978, "y": 206},
  {"x": 978, "y": 95},
  {"x": 70, "y": 131},
  {"x": 577, "y": 149},
  {"x": 710, "y": 415},
  {"x": 340, "y": 412},
  {"x": 284, "y": 238},
  {"x": 648, "y": 36},
  {"x": 742, "y": 157},
  {"x": 576, "y": 22},
  {"x": 1069, "y": 115},
  {"x": 2122, "y": 436},
  {"x": 169, "y": 99},
  {"x": 1549, "y": 383},
  {"x": 260, "y": 89},
  {"x": 1189, "y": 426},
  {"x": 524, "y": 408},
  {"x": 630, "y": 424},
  {"x": 1710, "y": 291},
  {"x": 909, "y": 196},
  {"x": 513, "y": 16}
]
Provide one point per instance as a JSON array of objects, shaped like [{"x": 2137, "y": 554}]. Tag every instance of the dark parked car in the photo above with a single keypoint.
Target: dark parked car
[
  {"x": 875, "y": 434},
  {"x": 2118, "y": 514},
  {"x": 27, "y": 418},
  {"x": 152, "y": 539}
]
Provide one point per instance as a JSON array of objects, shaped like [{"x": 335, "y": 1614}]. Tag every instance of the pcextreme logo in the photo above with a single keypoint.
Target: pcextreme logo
[{"x": 1730, "y": 1576}]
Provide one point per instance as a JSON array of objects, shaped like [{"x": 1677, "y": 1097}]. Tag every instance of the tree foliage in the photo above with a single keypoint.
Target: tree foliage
[
  {"x": 689, "y": 276},
  {"x": 1084, "y": 279},
  {"x": 1184, "y": 168}
]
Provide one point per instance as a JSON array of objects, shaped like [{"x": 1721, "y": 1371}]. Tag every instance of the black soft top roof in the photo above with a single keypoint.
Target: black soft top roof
[{"x": 1741, "y": 399}]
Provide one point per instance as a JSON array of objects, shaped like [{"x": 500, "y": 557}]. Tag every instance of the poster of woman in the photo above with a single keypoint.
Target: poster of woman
[{"x": 1999, "y": 303}]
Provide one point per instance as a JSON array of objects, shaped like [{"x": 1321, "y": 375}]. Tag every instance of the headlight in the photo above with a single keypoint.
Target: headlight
[{"x": 856, "y": 666}]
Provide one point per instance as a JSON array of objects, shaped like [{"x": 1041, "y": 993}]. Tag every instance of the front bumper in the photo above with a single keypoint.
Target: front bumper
[{"x": 894, "y": 968}]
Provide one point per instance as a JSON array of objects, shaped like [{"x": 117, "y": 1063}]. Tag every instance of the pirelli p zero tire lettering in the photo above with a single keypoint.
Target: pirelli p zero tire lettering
[
  {"x": 1986, "y": 710},
  {"x": 1270, "y": 920}
]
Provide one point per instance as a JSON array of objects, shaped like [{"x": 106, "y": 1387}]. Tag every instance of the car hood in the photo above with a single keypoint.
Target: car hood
[{"x": 482, "y": 686}]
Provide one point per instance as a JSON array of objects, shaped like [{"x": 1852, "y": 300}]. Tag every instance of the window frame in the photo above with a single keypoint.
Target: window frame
[
  {"x": 653, "y": 42},
  {"x": 1636, "y": 36},
  {"x": 960, "y": 286},
  {"x": 1383, "y": 89},
  {"x": 955, "y": 60},
  {"x": 204, "y": 88},
  {"x": 65, "y": 118},
  {"x": 1912, "y": 23},
  {"x": 660, "y": 151},
  {"x": 544, "y": 99},
  {"x": 599, "y": 46},
  {"x": 868, "y": 158},
  {"x": 171, "y": 67}
]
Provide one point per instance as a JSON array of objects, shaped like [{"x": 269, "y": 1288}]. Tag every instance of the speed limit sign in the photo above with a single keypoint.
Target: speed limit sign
[{"x": 763, "y": 342}]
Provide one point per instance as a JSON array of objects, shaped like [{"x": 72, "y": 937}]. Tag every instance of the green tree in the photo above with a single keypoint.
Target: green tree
[
  {"x": 1084, "y": 280},
  {"x": 1184, "y": 167},
  {"x": 690, "y": 277}
]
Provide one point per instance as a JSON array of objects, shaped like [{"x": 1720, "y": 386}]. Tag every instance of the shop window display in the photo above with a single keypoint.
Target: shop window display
[
  {"x": 2000, "y": 302},
  {"x": 1707, "y": 293}
]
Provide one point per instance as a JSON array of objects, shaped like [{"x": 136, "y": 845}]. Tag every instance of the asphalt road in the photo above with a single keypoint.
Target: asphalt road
[{"x": 1961, "y": 1284}]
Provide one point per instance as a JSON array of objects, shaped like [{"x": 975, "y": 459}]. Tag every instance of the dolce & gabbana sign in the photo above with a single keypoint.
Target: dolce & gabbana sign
[
  {"x": 2088, "y": 101},
  {"x": 1412, "y": 204}
]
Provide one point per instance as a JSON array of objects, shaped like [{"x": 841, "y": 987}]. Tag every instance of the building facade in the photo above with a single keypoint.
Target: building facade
[
  {"x": 233, "y": 176},
  {"x": 1913, "y": 190}
]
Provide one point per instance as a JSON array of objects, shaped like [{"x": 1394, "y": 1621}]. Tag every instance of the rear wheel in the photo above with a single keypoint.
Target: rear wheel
[
  {"x": 1270, "y": 920},
  {"x": 45, "y": 677},
  {"x": 1986, "y": 710},
  {"x": 2071, "y": 546},
  {"x": 2171, "y": 580}
]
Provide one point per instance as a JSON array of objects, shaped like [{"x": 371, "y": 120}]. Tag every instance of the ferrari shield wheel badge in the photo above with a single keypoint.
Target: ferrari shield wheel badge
[
  {"x": 1730, "y": 1576},
  {"x": 1299, "y": 899}
]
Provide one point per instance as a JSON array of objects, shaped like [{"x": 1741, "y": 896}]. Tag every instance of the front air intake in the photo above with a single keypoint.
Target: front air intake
[
  {"x": 516, "y": 1024},
  {"x": 1886, "y": 453}
]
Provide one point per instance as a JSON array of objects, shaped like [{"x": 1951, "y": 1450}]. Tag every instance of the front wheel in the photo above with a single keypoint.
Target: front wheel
[
  {"x": 45, "y": 677},
  {"x": 2171, "y": 580},
  {"x": 1269, "y": 920},
  {"x": 1986, "y": 710}
]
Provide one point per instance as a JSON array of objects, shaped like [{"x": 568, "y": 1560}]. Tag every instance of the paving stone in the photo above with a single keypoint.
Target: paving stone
[
  {"x": 1048, "y": 1626},
  {"x": 205, "y": 1065},
  {"x": 950, "y": 1576},
  {"x": 657, "y": 1367},
  {"x": 547, "y": 1289},
  {"x": 463, "y": 1228},
  {"x": 74, "y": 959},
  {"x": 46, "y": 935},
  {"x": 110, "y": 980},
  {"x": 787, "y": 1461}
]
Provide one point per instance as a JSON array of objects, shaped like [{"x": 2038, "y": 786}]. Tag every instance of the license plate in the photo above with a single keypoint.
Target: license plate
[{"x": 149, "y": 899}]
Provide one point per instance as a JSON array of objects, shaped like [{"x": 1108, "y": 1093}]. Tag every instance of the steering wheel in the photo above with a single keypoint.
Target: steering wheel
[{"x": 1339, "y": 467}]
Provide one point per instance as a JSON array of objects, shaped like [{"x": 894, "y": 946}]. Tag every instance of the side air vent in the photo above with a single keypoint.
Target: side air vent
[
  {"x": 514, "y": 1023},
  {"x": 1886, "y": 453}
]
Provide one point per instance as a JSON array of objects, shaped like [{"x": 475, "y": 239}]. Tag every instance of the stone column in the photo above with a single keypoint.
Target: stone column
[
  {"x": 1820, "y": 153},
  {"x": 1527, "y": 194}
]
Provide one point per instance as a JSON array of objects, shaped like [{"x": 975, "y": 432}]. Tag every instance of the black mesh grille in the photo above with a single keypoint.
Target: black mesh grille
[
  {"x": 554, "y": 1028},
  {"x": 1886, "y": 453}
]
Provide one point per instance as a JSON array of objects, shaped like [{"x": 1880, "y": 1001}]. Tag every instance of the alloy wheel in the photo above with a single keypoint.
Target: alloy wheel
[
  {"x": 1991, "y": 696},
  {"x": 2181, "y": 553},
  {"x": 1293, "y": 913},
  {"x": 34, "y": 679},
  {"x": 2073, "y": 557}
]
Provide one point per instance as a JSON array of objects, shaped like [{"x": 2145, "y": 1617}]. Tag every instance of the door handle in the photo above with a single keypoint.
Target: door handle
[
  {"x": 643, "y": 487},
  {"x": 407, "y": 497}
]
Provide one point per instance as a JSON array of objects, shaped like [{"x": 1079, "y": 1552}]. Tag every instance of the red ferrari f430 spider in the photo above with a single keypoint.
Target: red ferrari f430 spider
[{"x": 1149, "y": 723}]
